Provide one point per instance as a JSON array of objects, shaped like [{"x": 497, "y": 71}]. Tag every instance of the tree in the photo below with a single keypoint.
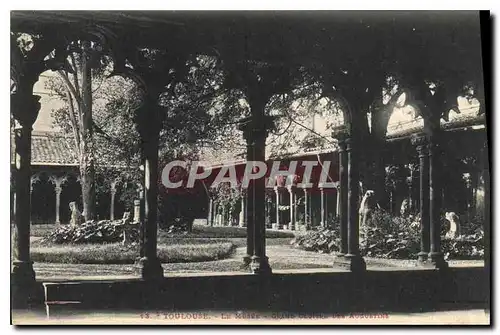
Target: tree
[{"x": 86, "y": 63}]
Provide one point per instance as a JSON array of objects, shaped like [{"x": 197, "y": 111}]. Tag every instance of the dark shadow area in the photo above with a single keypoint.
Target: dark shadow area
[{"x": 343, "y": 292}]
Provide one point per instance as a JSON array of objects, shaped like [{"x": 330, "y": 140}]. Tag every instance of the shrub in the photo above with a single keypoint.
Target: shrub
[
  {"x": 200, "y": 231},
  {"x": 322, "y": 240},
  {"x": 388, "y": 236},
  {"x": 103, "y": 231}
]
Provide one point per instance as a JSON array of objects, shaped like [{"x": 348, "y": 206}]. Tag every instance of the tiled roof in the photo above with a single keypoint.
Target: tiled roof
[
  {"x": 48, "y": 148},
  {"x": 417, "y": 125}
]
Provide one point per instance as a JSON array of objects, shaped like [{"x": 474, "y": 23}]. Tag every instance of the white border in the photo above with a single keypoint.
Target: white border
[{"x": 195, "y": 5}]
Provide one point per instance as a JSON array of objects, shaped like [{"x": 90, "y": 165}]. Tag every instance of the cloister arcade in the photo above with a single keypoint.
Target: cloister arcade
[{"x": 281, "y": 41}]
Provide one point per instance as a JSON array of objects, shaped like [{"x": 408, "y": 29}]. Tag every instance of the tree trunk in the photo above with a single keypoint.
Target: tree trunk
[
  {"x": 376, "y": 141},
  {"x": 87, "y": 168}
]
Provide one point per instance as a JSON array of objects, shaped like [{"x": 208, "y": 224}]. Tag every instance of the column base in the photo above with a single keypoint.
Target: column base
[
  {"x": 23, "y": 285},
  {"x": 260, "y": 265},
  {"x": 150, "y": 268},
  {"x": 247, "y": 259},
  {"x": 22, "y": 272},
  {"x": 356, "y": 262},
  {"x": 423, "y": 258},
  {"x": 340, "y": 261},
  {"x": 436, "y": 260}
]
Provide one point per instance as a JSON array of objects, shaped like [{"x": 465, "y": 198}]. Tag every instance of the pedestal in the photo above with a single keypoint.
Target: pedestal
[
  {"x": 150, "y": 268},
  {"x": 260, "y": 265}
]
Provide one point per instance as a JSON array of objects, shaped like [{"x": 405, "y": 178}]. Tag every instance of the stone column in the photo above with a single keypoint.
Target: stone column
[
  {"x": 337, "y": 208},
  {"x": 224, "y": 221},
  {"x": 137, "y": 211},
  {"x": 342, "y": 194},
  {"x": 35, "y": 178},
  {"x": 149, "y": 125},
  {"x": 435, "y": 255},
  {"x": 353, "y": 256},
  {"x": 409, "y": 181},
  {"x": 58, "y": 182},
  {"x": 277, "y": 190},
  {"x": 291, "y": 192},
  {"x": 269, "y": 218},
  {"x": 255, "y": 133},
  {"x": 296, "y": 209},
  {"x": 142, "y": 244},
  {"x": 210, "y": 211},
  {"x": 113, "y": 194},
  {"x": 322, "y": 200},
  {"x": 25, "y": 108},
  {"x": 243, "y": 209},
  {"x": 421, "y": 143},
  {"x": 306, "y": 207},
  {"x": 216, "y": 212}
]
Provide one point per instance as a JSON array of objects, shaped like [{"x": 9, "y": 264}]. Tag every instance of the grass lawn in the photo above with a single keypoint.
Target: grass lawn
[
  {"x": 40, "y": 230},
  {"x": 179, "y": 251}
]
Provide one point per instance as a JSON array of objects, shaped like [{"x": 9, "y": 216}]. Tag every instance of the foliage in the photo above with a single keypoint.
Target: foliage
[
  {"x": 388, "y": 236},
  {"x": 320, "y": 239},
  {"x": 180, "y": 252},
  {"x": 103, "y": 231},
  {"x": 465, "y": 246},
  {"x": 227, "y": 196},
  {"x": 201, "y": 231}
]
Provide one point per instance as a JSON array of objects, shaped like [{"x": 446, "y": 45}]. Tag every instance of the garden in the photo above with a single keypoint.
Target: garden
[
  {"x": 396, "y": 237},
  {"x": 102, "y": 242}
]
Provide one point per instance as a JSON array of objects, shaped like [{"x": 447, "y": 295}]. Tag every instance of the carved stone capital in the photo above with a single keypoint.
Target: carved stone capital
[
  {"x": 350, "y": 143},
  {"x": 255, "y": 128},
  {"x": 421, "y": 142},
  {"x": 58, "y": 181},
  {"x": 341, "y": 137},
  {"x": 113, "y": 186},
  {"x": 34, "y": 179}
]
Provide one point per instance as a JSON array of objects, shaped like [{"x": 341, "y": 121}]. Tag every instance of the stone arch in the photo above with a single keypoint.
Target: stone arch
[
  {"x": 43, "y": 199},
  {"x": 71, "y": 191}
]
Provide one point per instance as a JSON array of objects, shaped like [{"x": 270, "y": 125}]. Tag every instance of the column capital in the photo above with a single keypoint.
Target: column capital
[
  {"x": 421, "y": 142},
  {"x": 349, "y": 143},
  {"x": 35, "y": 178},
  {"x": 341, "y": 137},
  {"x": 113, "y": 185},
  {"x": 58, "y": 181},
  {"x": 254, "y": 127}
]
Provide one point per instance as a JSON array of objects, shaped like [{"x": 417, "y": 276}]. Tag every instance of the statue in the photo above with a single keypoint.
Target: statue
[
  {"x": 454, "y": 220},
  {"x": 76, "y": 215},
  {"x": 405, "y": 208},
  {"x": 126, "y": 220},
  {"x": 368, "y": 204}
]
